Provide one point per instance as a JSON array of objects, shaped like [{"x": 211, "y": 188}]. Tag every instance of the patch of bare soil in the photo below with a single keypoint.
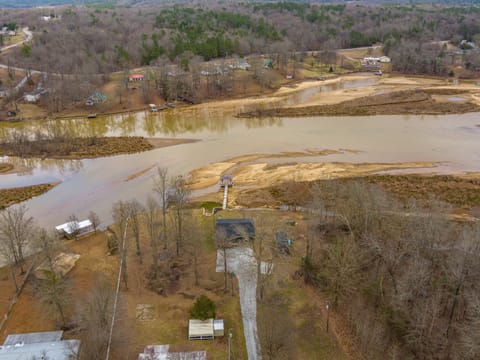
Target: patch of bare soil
[
  {"x": 16, "y": 195},
  {"x": 391, "y": 103}
]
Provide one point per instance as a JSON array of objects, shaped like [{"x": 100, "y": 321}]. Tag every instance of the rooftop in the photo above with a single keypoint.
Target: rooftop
[
  {"x": 51, "y": 350},
  {"x": 235, "y": 229}
]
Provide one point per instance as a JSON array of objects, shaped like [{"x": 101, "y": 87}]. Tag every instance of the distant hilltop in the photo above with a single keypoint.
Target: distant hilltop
[{"x": 36, "y": 3}]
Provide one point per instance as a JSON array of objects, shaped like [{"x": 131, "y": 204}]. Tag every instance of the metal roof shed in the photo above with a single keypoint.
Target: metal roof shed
[
  {"x": 57, "y": 350},
  {"x": 218, "y": 328},
  {"x": 200, "y": 329},
  {"x": 72, "y": 228}
]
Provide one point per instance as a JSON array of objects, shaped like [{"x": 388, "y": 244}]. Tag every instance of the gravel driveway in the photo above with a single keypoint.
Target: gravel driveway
[{"x": 240, "y": 260}]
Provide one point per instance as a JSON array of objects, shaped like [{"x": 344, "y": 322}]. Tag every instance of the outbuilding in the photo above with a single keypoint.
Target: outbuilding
[
  {"x": 235, "y": 230},
  {"x": 200, "y": 329},
  {"x": 218, "y": 328},
  {"x": 74, "y": 228}
]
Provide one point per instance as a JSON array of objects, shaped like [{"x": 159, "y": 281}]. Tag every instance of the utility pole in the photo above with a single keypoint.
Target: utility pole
[
  {"x": 328, "y": 313},
  {"x": 229, "y": 343}
]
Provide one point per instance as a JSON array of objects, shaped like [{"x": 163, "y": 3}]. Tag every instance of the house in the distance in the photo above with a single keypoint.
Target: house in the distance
[
  {"x": 39, "y": 345},
  {"x": 136, "y": 77}
]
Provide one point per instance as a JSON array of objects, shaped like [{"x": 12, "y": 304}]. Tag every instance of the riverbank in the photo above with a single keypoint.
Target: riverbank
[
  {"x": 82, "y": 148},
  {"x": 261, "y": 183},
  {"x": 415, "y": 102}
]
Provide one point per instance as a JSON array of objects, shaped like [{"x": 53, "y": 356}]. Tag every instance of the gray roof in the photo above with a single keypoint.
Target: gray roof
[
  {"x": 235, "y": 229},
  {"x": 32, "y": 338},
  {"x": 55, "y": 350}
]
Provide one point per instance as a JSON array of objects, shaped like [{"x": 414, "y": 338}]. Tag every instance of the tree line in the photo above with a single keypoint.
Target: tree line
[
  {"x": 101, "y": 40},
  {"x": 403, "y": 276}
]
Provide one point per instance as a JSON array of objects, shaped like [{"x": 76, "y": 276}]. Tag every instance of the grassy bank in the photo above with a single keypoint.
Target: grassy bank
[
  {"x": 15, "y": 195},
  {"x": 418, "y": 102}
]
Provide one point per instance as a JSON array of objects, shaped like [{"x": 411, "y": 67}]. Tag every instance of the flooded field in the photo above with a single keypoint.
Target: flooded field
[{"x": 94, "y": 184}]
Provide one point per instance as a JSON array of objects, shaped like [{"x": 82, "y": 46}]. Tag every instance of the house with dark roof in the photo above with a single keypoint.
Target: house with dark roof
[{"x": 235, "y": 230}]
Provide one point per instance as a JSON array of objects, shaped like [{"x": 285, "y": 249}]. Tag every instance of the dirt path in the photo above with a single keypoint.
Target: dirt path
[{"x": 240, "y": 260}]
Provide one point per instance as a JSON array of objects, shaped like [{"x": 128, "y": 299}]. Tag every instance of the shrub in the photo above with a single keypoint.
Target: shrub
[{"x": 203, "y": 309}]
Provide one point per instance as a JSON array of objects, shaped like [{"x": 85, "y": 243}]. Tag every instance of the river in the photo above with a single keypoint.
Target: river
[{"x": 95, "y": 184}]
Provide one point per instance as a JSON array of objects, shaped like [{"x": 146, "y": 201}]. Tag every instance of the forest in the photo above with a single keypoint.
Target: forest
[{"x": 103, "y": 38}]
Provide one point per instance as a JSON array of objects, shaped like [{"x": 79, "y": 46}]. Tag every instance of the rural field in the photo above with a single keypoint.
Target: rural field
[{"x": 308, "y": 173}]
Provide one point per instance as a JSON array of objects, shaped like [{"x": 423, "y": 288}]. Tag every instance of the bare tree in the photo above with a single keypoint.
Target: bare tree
[
  {"x": 96, "y": 316},
  {"x": 94, "y": 219},
  {"x": 161, "y": 188},
  {"x": 47, "y": 245},
  {"x": 73, "y": 225},
  {"x": 55, "y": 296},
  {"x": 135, "y": 209},
  {"x": 193, "y": 241},
  {"x": 121, "y": 216},
  {"x": 180, "y": 200},
  {"x": 152, "y": 224},
  {"x": 16, "y": 233}
]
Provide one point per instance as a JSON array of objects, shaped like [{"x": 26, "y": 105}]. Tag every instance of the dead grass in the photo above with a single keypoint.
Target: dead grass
[
  {"x": 391, "y": 103},
  {"x": 16, "y": 195},
  {"x": 6, "y": 167}
]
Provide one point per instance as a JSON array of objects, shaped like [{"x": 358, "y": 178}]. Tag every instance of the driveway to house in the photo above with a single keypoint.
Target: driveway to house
[{"x": 240, "y": 260}]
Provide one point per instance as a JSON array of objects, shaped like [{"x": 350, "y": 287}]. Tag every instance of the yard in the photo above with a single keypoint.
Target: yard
[{"x": 145, "y": 317}]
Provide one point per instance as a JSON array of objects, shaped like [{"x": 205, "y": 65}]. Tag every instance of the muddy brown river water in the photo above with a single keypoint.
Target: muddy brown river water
[{"x": 95, "y": 184}]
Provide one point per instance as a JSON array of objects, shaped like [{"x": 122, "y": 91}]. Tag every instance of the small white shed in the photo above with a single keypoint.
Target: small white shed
[{"x": 218, "y": 328}]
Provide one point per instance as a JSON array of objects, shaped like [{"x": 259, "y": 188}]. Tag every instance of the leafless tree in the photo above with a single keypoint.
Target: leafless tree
[
  {"x": 135, "y": 209},
  {"x": 94, "y": 219},
  {"x": 193, "y": 241},
  {"x": 121, "y": 216},
  {"x": 73, "y": 225},
  {"x": 180, "y": 201},
  {"x": 16, "y": 233},
  {"x": 161, "y": 188},
  {"x": 153, "y": 225},
  {"x": 96, "y": 314},
  {"x": 55, "y": 296},
  {"x": 274, "y": 324}
]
